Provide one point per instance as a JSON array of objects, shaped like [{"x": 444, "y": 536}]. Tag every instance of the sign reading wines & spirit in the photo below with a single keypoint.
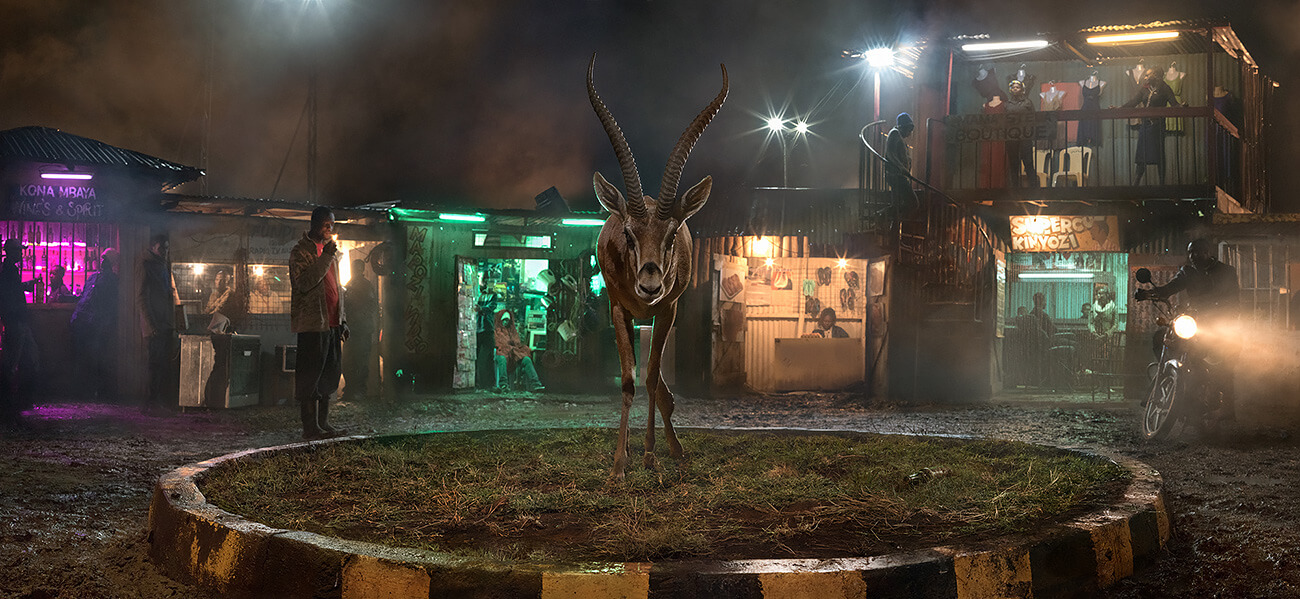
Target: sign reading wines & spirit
[
  {"x": 1064, "y": 233},
  {"x": 43, "y": 201}
]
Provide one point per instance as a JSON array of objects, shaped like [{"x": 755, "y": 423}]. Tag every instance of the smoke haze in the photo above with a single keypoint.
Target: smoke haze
[{"x": 484, "y": 103}]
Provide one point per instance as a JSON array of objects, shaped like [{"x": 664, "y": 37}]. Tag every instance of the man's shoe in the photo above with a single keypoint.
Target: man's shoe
[{"x": 539, "y": 388}]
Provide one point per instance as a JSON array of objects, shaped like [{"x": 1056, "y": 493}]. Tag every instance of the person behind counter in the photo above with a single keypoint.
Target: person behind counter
[
  {"x": 826, "y": 326},
  {"x": 218, "y": 303},
  {"x": 58, "y": 291}
]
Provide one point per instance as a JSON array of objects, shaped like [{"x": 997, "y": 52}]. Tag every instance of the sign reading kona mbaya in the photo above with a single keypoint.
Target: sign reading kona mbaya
[{"x": 1064, "y": 233}]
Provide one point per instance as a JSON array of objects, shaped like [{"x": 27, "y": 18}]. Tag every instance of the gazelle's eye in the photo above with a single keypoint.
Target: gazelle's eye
[
  {"x": 668, "y": 245},
  {"x": 631, "y": 241}
]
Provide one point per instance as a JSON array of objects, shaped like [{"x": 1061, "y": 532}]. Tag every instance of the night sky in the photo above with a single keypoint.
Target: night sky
[{"x": 484, "y": 102}]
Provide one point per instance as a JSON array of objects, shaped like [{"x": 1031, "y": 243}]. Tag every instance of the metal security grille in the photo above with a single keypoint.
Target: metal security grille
[
  {"x": 74, "y": 246},
  {"x": 1262, "y": 275}
]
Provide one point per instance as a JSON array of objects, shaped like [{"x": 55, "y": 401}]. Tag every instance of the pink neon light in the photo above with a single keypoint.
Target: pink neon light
[{"x": 82, "y": 176}]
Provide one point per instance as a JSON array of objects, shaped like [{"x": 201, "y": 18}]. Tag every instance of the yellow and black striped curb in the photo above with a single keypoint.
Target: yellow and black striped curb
[{"x": 196, "y": 542}]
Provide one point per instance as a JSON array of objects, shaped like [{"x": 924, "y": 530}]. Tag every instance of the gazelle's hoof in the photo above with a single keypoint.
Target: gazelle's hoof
[{"x": 648, "y": 460}]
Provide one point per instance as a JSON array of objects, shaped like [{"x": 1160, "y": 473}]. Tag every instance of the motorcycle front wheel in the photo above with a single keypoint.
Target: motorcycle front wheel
[{"x": 1162, "y": 401}]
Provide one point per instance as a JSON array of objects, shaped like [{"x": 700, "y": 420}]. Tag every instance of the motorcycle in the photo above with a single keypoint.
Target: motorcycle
[{"x": 1183, "y": 387}]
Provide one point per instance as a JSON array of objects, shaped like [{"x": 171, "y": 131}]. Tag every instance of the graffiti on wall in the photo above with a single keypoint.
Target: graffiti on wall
[{"x": 417, "y": 289}]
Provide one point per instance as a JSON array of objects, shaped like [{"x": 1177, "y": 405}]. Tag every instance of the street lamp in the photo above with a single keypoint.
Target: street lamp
[
  {"x": 777, "y": 126},
  {"x": 878, "y": 59}
]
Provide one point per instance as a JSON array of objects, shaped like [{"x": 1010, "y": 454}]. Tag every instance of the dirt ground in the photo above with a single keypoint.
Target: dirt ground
[{"x": 75, "y": 484}]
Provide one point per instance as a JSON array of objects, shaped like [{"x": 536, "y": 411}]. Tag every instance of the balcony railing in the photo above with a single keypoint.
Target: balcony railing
[{"x": 1091, "y": 154}]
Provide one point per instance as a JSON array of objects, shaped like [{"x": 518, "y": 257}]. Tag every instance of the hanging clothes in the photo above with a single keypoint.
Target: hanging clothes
[
  {"x": 993, "y": 158},
  {"x": 1062, "y": 96},
  {"x": 1090, "y": 129},
  {"x": 1175, "y": 125}
]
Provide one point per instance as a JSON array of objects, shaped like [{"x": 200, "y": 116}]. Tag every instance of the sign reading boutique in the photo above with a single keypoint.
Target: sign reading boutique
[
  {"x": 45, "y": 201},
  {"x": 1064, "y": 233}
]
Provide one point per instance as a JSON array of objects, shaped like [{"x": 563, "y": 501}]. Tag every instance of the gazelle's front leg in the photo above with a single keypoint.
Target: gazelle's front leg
[
  {"x": 623, "y": 339},
  {"x": 658, "y": 390}
]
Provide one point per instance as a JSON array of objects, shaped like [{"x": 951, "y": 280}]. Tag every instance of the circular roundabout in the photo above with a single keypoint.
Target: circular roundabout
[{"x": 748, "y": 513}]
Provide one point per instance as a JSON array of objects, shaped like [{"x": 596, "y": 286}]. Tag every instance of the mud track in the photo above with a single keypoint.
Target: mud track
[{"x": 75, "y": 484}]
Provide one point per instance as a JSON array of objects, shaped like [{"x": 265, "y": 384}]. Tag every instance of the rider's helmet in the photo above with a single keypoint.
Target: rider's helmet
[{"x": 1200, "y": 252}]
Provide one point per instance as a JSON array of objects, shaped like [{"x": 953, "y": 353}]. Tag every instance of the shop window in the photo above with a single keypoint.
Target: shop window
[
  {"x": 197, "y": 285},
  {"x": 269, "y": 289},
  {"x": 74, "y": 246}
]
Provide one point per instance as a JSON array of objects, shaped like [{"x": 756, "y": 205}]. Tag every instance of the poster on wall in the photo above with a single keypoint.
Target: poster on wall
[
  {"x": 1042, "y": 233},
  {"x": 732, "y": 286}
]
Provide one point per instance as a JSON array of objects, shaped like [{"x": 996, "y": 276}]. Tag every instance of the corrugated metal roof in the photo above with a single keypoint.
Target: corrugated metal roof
[{"x": 51, "y": 145}]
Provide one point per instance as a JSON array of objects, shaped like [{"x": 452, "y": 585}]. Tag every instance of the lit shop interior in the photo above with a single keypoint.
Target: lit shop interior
[
  {"x": 76, "y": 247},
  {"x": 554, "y": 304},
  {"x": 1074, "y": 341}
]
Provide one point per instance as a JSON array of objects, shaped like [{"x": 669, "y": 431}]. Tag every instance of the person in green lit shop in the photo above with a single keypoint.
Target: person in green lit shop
[{"x": 511, "y": 350}]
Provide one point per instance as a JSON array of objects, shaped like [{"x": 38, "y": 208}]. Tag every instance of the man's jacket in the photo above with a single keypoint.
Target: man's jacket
[{"x": 308, "y": 313}]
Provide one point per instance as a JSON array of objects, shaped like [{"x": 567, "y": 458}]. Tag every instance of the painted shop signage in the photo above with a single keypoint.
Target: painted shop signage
[
  {"x": 1064, "y": 233},
  {"x": 1018, "y": 126},
  {"x": 45, "y": 201}
]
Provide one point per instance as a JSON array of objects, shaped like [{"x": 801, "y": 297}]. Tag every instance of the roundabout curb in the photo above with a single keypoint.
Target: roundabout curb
[{"x": 196, "y": 542}]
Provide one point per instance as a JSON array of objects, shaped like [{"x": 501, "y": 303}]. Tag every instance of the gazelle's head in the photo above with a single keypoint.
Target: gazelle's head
[{"x": 650, "y": 225}]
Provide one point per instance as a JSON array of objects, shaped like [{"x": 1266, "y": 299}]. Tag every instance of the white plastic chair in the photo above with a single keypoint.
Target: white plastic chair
[
  {"x": 1043, "y": 164},
  {"x": 1073, "y": 167}
]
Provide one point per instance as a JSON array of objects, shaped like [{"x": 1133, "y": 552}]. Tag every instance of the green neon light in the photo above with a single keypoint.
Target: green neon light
[
  {"x": 462, "y": 218},
  {"x": 418, "y": 216},
  {"x": 582, "y": 222},
  {"x": 429, "y": 216}
]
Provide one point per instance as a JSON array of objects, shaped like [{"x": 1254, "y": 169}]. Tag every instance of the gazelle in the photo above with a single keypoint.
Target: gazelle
[{"x": 644, "y": 252}]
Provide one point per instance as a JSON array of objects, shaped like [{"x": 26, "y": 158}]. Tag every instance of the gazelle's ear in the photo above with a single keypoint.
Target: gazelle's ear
[
  {"x": 694, "y": 198},
  {"x": 609, "y": 196}
]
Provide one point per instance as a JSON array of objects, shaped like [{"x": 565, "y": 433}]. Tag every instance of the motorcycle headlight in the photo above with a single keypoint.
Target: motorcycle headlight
[{"x": 1185, "y": 326}]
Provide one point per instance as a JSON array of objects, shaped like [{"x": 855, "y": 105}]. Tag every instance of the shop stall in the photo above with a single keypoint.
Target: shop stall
[
  {"x": 67, "y": 199},
  {"x": 477, "y": 265}
]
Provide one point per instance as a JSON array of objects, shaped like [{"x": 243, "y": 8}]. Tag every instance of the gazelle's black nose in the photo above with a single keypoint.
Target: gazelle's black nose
[{"x": 650, "y": 290}]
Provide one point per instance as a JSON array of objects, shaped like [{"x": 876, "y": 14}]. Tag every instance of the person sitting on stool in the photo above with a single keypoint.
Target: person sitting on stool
[{"x": 510, "y": 349}]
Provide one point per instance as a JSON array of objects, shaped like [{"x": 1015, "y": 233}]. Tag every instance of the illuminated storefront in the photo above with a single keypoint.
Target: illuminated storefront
[
  {"x": 67, "y": 199},
  {"x": 1065, "y": 304}
]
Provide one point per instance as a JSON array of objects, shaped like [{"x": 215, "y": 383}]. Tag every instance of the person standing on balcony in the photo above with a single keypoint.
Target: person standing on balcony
[
  {"x": 899, "y": 167},
  {"x": 1020, "y": 152},
  {"x": 1155, "y": 93}
]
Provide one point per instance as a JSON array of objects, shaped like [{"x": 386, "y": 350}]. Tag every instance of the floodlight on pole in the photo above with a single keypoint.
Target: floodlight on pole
[
  {"x": 801, "y": 128},
  {"x": 879, "y": 58},
  {"x": 775, "y": 124}
]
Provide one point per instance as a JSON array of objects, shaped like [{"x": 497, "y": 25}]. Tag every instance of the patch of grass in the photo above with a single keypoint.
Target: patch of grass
[{"x": 546, "y": 494}]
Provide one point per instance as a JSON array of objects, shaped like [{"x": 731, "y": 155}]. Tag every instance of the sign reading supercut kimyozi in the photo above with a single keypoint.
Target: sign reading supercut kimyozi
[{"x": 1064, "y": 233}]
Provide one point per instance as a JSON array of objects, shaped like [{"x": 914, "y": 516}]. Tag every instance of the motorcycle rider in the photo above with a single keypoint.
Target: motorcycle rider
[{"x": 1212, "y": 289}]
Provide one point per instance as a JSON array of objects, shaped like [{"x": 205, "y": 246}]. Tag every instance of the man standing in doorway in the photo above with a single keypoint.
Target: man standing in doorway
[
  {"x": 363, "y": 308},
  {"x": 316, "y": 312},
  {"x": 158, "y": 302}
]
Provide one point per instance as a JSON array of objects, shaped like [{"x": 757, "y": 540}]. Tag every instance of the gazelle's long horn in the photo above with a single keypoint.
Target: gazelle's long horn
[
  {"x": 631, "y": 179},
  {"x": 673, "y": 172}
]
